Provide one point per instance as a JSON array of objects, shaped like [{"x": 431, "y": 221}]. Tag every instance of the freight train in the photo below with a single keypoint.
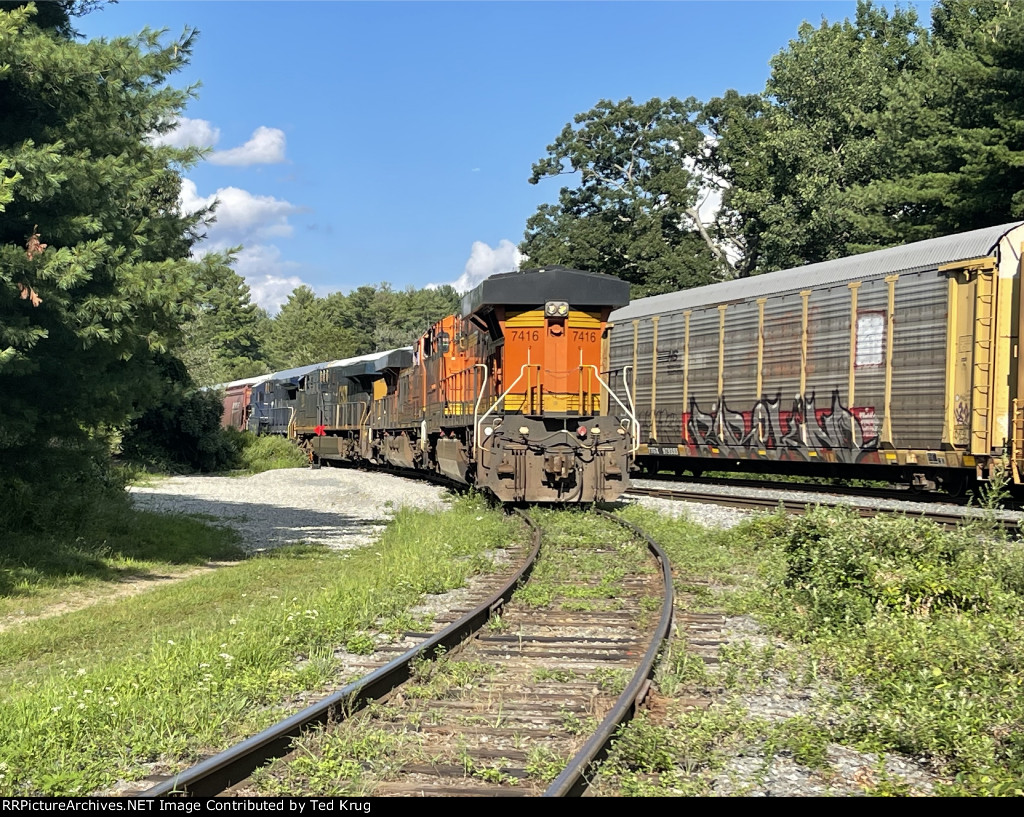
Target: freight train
[
  {"x": 511, "y": 395},
  {"x": 902, "y": 364}
]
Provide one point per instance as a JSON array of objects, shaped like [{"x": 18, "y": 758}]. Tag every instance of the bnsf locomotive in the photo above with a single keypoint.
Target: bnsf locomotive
[
  {"x": 902, "y": 364},
  {"x": 511, "y": 395}
]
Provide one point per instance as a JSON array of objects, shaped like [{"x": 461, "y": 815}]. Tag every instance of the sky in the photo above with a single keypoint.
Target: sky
[{"x": 367, "y": 142}]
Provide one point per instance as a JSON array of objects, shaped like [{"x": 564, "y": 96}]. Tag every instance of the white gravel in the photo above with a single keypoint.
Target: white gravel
[
  {"x": 338, "y": 507},
  {"x": 710, "y": 516}
]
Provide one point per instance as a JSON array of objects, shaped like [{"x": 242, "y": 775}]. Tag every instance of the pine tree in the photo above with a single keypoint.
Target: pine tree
[{"x": 95, "y": 280}]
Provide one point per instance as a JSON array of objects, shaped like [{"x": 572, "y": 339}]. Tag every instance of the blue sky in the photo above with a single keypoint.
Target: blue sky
[{"x": 363, "y": 142}]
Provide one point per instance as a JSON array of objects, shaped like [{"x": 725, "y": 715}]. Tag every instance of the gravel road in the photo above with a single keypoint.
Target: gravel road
[{"x": 338, "y": 507}]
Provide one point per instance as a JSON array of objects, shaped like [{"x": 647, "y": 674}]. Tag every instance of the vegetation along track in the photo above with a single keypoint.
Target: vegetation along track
[{"x": 528, "y": 705}]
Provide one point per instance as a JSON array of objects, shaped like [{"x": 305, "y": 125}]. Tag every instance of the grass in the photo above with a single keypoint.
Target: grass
[
  {"x": 259, "y": 454},
  {"x": 595, "y": 552},
  {"x": 580, "y": 551},
  {"x": 901, "y": 639},
  {"x": 114, "y": 543},
  {"x": 94, "y": 696}
]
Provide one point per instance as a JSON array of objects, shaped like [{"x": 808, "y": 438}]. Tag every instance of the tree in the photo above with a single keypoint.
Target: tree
[
  {"x": 304, "y": 332},
  {"x": 953, "y": 129},
  {"x": 796, "y": 158},
  {"x": 635, "y": 211},
  {"x": 223, "y": 340},
  {"x": 94, "y": 277}
]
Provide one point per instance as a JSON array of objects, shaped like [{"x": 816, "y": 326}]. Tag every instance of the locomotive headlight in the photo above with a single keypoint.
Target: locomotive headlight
[
  {"x": 556, "y": 309},
  {"x": 524, "y": 430},
  {"x": 596, "y": 432},
  {"x": 488, "y": 431}
]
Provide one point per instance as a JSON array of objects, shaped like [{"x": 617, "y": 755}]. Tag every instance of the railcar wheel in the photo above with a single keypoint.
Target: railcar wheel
[{"x": 956, "y": 485}]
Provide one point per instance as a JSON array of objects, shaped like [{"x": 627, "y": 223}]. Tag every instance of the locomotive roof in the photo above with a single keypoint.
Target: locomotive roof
[
  {"x": 374, "y": 363},
  {"x": 349, "y": 361},
  {"x": 396, "y": 358},
  {"x": 534, "y": 287},
  {"x": 916, "y": 257},
  {"x": 296, "y": 373}
]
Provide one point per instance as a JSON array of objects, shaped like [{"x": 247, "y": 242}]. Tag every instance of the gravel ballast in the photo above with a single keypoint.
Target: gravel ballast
[{"x": 337, "y": 507}]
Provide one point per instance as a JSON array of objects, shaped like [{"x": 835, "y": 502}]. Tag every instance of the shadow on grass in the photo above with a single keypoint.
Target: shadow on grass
[
  {"x": 115, "y": 541},
  {"x": 112, "y": 545}
]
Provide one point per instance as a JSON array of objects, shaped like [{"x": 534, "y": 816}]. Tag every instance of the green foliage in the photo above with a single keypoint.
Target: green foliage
[
  {"x": 648, "y": 747},
  {"x": 795, "y": 157},
  {"x": 309, "y": 329},
  {"x": 109, "y": 542},
  {"x": 224, "y": 340},
  {"x": 183, "y": 432},
  {"x": 303, "y": 332},
  {"x": 870, "y": 132},
  {"x": 919, "y": 628},
  {"x": 842, "y": 570},
  {"x": 634, "y": 213},
  {"x": 873, "y": 132},
  {"x": 260, "y": 454},
  {"x": 952, "y": 129},
  {"x": 95, "y": 276},
  {"x": 57, "y": 489},
  {"x": 198, "y": 664}
]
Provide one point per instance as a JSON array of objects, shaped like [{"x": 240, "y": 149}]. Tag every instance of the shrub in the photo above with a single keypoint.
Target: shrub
[
  {"x": 258, "y": 454},
  {"x": 183, "y": 432},
  {"x": 841, "y": 569}
]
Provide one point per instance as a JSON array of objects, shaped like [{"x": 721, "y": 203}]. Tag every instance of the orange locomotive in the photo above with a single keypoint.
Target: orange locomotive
[{"x": 512, "y": 395}]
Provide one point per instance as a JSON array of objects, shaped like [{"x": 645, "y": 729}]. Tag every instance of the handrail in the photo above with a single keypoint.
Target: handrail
[
  {"x": 476, "y": 407},
  {"x": 636, "y": 425},
  {"x": 476, "y": 430}
]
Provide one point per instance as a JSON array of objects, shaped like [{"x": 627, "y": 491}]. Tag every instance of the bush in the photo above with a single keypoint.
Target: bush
[
  {"x": 183, "y": 432},
  {"x": 840, "y": 570},
  {"x": 258, "y": 454},
  {"x": 58, "y": 488}
]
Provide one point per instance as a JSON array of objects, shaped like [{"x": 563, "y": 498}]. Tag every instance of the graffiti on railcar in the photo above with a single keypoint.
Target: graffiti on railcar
[{"x": 846, "y": 432}]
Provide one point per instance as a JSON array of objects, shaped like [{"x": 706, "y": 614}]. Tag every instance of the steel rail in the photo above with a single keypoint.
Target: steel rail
[
  {"x": 233, "y": 765},
  {"x": 798, "y": 506},
  {"x": 573, "y": 781},
  {"x": 894, "y": 492}
]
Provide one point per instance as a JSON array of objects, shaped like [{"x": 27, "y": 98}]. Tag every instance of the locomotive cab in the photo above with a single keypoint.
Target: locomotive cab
[{"x": 546, "y": 424}]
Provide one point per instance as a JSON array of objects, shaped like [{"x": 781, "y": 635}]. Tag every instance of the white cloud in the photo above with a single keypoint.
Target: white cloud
[
  {"x": 247, "y": 219},
  {"x": 189, "y": 133},
  {"x": 267, "y": 275},
  {"x": 265, "y": 147},
  {"x": 485, "y": 260},
  {"x": 241, "y": 216}
]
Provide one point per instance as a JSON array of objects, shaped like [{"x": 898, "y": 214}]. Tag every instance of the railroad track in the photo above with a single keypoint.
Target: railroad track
[
  {"x": 896, "y": 492},
  {"x": 945, "y": 518},
  {"x": 517, "y": 697}
]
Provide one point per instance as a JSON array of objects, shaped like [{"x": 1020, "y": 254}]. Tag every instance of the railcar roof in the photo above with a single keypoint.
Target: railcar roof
[
  {"x": 916, "y": 257},
  {"x": 534, "y": 287},
  {"x": 297, "y": 372},
  {"x": 245, "y": 381}
]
